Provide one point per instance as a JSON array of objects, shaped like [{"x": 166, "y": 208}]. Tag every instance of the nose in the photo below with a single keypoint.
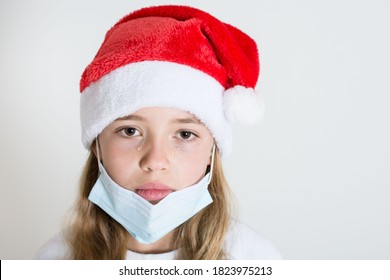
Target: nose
[{"x": 155, "y": 156}]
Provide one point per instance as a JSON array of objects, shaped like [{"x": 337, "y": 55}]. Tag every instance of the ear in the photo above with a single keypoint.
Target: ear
[{"x": 93, "y": 147}]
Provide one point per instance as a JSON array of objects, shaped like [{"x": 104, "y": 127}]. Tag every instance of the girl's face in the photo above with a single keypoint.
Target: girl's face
[{"x": 155, "y": 151}]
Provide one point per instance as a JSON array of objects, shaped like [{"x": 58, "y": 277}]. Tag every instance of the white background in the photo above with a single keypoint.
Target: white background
[{"x": 313, "y": 177}]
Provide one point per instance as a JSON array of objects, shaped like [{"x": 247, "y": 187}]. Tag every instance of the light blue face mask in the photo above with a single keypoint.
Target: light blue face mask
[{"x": 146, "y": 222}]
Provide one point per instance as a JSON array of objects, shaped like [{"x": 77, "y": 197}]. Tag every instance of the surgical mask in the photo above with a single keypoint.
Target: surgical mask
[{"x": 147, "y": 222}]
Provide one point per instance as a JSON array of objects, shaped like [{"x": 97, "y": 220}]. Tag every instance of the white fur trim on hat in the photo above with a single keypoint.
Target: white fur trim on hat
[
  {"x": 243, "y": 105},
  {"x": 154, "y": 83}
]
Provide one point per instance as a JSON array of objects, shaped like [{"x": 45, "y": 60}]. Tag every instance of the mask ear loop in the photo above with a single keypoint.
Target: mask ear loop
[{"x": 212, "y": 164}]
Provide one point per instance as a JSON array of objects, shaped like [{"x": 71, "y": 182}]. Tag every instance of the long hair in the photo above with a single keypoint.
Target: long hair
[{"x": 93, "y": 234}]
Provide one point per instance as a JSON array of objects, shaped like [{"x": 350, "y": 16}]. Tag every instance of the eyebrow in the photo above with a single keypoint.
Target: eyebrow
[
  {"x": 175, "y": 121},
  {"x": 131, "y": 117},
  {"x": 186, "y": 120}
]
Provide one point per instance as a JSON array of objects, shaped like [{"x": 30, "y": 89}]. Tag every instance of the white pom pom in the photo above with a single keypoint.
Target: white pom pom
[{"x": 243, "y": 105}]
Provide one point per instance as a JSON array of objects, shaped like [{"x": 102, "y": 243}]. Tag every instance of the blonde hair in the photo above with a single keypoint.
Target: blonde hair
[{"x": 93, "y": 234}]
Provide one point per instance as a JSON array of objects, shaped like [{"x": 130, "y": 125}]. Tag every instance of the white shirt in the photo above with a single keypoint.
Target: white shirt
[{"x": 241, "y": 243}]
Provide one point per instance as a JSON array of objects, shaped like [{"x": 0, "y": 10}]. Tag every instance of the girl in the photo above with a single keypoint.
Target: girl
[{"x": 157, "y": 105}]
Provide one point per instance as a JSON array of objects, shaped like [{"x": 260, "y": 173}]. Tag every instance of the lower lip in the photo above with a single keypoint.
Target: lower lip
[{"x": 152, "y": 195}]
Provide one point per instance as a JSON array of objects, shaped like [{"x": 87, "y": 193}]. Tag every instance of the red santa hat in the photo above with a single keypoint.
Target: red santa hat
[{"x": 174, "y": 56}]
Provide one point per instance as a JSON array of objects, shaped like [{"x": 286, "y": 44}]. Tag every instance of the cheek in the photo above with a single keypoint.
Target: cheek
[
  {"x": 120, "y": 165},
  {"x": 190, "y": 168},
  {"x": 119, "y": 151}
]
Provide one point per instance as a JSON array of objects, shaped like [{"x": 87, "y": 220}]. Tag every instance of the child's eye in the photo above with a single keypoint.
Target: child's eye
[
  {"x": 186, "y": 135},
  {"x": 129, "y": 131}
]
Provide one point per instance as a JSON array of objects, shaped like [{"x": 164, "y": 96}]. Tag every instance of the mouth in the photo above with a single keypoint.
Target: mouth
[{"x": 153, "y": 192}]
